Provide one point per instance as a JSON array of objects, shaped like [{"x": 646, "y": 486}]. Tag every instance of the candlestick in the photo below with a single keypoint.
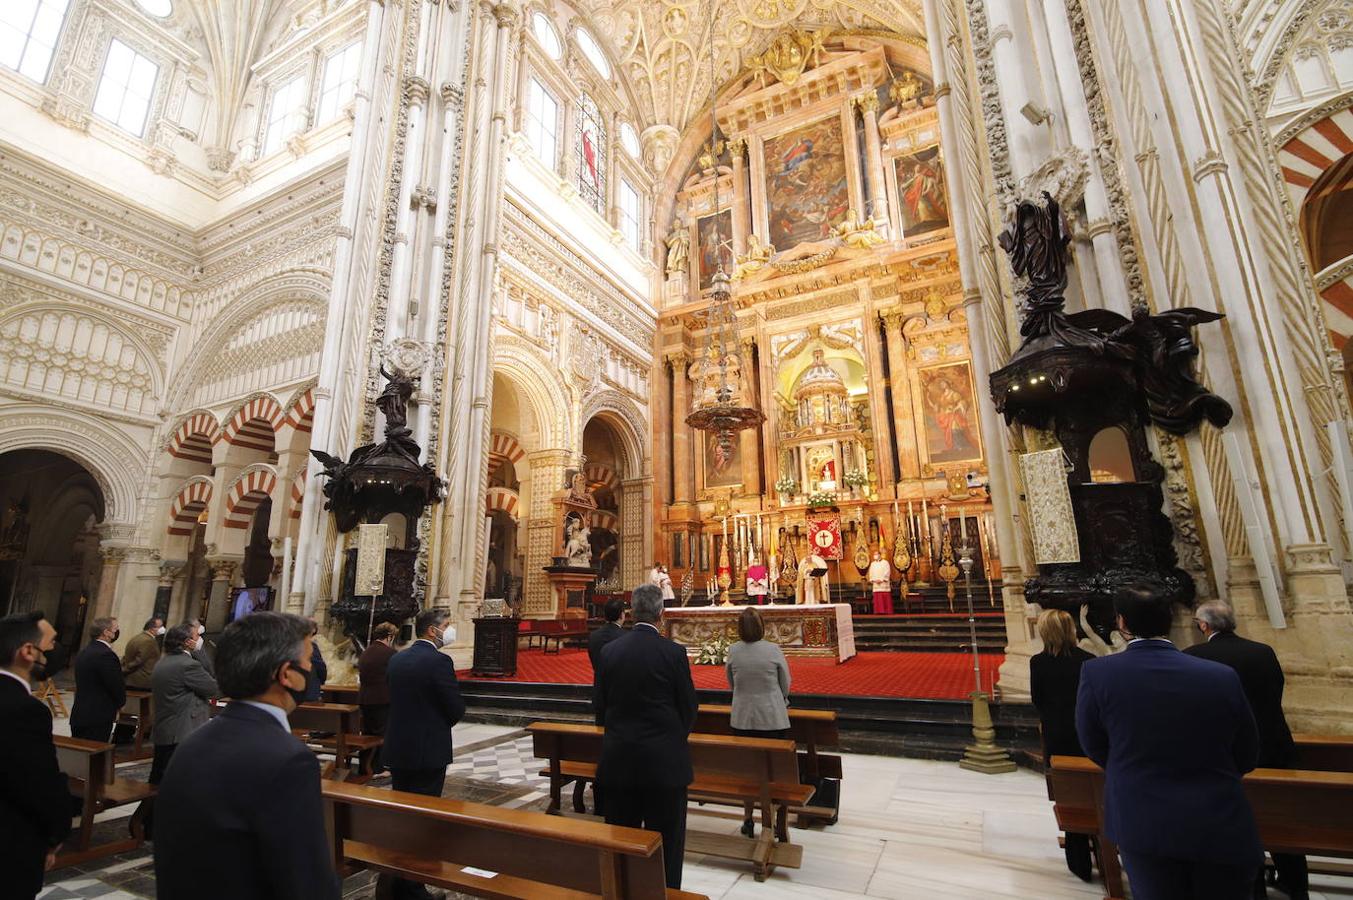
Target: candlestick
[{"x": 962, "y": 527}]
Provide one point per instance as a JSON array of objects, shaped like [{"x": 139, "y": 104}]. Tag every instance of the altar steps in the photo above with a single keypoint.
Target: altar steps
[
  {"x": 926, "y": 729},
  {"x": 929, "y": 633}
]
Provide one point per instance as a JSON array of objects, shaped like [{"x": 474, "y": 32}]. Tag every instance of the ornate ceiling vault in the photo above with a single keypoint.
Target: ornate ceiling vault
[{"x": 663, "y": 47}]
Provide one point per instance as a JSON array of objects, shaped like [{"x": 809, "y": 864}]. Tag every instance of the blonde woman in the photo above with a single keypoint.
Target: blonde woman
[{"x": 1054, "y": 679}]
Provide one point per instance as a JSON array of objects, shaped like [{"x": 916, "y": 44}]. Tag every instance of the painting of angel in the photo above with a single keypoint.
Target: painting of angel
[{"x": 715, "y": 234}]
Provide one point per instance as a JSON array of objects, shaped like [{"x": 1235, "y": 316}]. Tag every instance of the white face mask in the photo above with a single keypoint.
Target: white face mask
[
  {"x": 161, "y": 630},
  {"x": 197, "y": 644}
]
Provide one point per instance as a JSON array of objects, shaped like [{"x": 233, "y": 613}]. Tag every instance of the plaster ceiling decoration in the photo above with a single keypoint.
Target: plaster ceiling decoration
[{"x": 663, "y": 48}]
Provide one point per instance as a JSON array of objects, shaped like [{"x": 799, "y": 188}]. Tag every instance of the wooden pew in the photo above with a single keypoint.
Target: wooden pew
[
  {"x": 363, "y": 745},
  {"x": 337, "y": 722},
  {"x": 138, "y": 709},
  {"x": 1324, "y": 753},
  {"x": 810, "y": 729},
  {"x": 93, "y": 778},
  {"x": 339, "y": 693},
  {"x": 490, "y": 851},
  {"x": 732, "y": 770},
  {"x": 1296, "y": 810}
]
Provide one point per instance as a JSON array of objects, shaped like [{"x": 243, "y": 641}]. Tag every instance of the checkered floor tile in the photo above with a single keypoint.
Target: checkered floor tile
[{"x": 510, "y": 762}]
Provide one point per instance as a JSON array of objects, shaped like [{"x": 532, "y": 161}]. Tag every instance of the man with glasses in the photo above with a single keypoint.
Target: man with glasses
[{"x": 239, "y": 812}]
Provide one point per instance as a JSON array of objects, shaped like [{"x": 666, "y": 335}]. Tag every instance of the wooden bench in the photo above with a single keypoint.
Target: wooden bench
[
  {"x": 138, "y": 711},
  {"x": 1323, "y": 753},
  {"x": 1296, "y": 810},
  {"x": 90, "y": 767},
  {"x": 490, "y": 851},
  {"x": 333, "y": 727},
  {"x": 340, "y": 693},
  {"x": 744, "y": 772},
  {"x": 810, "y": 729}
]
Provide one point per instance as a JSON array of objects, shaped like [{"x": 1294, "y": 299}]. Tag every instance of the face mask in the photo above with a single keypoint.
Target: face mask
[
  {"x": 299, "y": 695},
  {"x": 161, "y": 630},
  {"x": 439, "y": 638},
  {"x": 116, "y": 634},
  {"x": 39, "y": 670},
  {"x": 197, "y": 644}
]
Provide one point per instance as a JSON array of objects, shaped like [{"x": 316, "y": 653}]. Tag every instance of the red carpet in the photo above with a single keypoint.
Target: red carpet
[{"x": 928, "y": 676}]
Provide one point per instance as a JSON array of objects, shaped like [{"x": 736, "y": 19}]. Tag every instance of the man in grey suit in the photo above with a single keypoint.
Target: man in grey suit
[{"x": 181, "y": 690}]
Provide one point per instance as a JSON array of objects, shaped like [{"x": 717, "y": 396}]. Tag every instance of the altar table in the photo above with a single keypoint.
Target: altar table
[{"x": 812, "y": 629}]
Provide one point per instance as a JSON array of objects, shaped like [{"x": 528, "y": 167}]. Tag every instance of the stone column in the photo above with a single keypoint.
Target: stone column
[
  {"x": 222, "y": 573},
  {"x": 750, "y": 445},
  {"x": 684, "y": 478},
  {"x": 170, "y": 570},
  {"x": 636, "y": 518},
  {"x": 105, "y": 604},
  {"x": 868, "y": 105},
  {"x": 737, "y": 151},
  {"x": 909, "y": 460},
  {"x": 547, "y": 479}
]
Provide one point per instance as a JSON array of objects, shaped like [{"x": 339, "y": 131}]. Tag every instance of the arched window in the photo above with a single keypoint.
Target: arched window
[
  {"x": 591, "y": 148},
  {"x": 629, "y": 139},
  {"x": 592, "y": 50},
  {"x": 546, "y": 36}
]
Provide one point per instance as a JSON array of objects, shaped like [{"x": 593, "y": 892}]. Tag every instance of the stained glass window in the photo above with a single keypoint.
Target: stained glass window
[{"x": 591, "y": 146}]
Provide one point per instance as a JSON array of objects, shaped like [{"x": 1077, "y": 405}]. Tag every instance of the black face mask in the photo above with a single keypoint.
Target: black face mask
[
  {"x": 39, "y": 670},
  {"x": 116, "y": 634},
  {"x": 299, "y": 696}
]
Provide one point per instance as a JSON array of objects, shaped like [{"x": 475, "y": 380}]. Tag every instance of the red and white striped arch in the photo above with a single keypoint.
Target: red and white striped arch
[
  {"x": 298, "y": 493},
  {"x": 504, "y": 447},
  {"x": 599, "y": 475},
  {"x": 1310, "y": 152},
  {"x": 501, "y": 499},
  {"x": 188, "y": 504},
  {"x": 254, "y": 424},
  {"x": 603, "y": 519},
  {"x": 254, "y": 485},
  {"x": 193, "y": 437},
  {"x": 301, "y": 415}
]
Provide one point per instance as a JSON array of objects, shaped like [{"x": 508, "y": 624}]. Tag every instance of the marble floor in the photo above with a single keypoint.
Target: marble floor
[{"x": 908, "y": 829}]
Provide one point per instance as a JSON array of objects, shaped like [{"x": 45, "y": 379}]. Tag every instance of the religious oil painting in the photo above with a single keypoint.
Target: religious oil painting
[
  {"x": 806, "y": 189},
  {"x": 721, "y": 467},
  {"x": 920, "y": 186},
  {"x": 715, "y": 236},
  {"x": 950, "y": 413}
]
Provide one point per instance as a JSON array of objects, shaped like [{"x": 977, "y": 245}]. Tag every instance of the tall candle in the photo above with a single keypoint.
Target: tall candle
[{"x": 962, "y": 526}]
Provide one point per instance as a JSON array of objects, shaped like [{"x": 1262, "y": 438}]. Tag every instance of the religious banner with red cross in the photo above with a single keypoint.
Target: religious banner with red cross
[{"x": 824, "y": 537}]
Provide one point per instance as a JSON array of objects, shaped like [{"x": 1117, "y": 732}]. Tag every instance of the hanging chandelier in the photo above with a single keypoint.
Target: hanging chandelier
[{"x": 723, "y": 411}]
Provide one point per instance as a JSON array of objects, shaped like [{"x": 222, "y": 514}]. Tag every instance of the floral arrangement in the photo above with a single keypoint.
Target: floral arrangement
[
  {"x": 821, "y": 498},
  {"x": 713, "y": 652},
  {"x": 856, "y": 478},
  {"x": 786, "y": 485}
]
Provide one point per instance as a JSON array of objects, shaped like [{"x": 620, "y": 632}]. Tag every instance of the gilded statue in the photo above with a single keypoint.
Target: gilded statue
[
  {"x": 906, "y": 91},
  {"x": 755, "y": 259},
  {"x": 678, "y": 251},
  {"x": 857, "y": 234},
  {"x": 789, "y": 55}
]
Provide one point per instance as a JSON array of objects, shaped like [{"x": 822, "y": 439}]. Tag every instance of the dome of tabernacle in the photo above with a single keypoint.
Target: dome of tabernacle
[{"x": 819, "y": 378}]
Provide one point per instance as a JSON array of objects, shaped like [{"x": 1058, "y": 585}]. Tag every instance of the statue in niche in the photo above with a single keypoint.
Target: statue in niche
[
  {"x": 577, "y": 544},
  {"x": 678, "y": 251}
]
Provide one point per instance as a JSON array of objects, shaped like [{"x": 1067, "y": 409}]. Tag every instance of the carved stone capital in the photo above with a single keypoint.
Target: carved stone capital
[
  {"x": 170, "y": 569},
  {"x": 679, "y": 360},
  {"x": 451, "y": 94},
  {"x": 1208, "y": 164},
  {"x": 505, "y": 15},
  {"x": 223, "y": 569},
  {"x": 416, "y": 89},
  {"x": 866, "y": 103},
  {"x": 737, "y": 148}
]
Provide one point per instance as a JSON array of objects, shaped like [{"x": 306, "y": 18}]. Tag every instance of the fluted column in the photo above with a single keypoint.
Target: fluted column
[
  {"x": 683, "y": 481},
  {"x": 737, "y": 150},
  {"x": 909, "y": 458},
  {"x": 868, "y": 105}
]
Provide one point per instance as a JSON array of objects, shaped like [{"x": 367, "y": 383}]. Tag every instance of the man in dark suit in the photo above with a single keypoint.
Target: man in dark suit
[
  {"x": 613, "y": 609},
  {"x": 373, "y": 692},
  {"x": 644, "y": 697},
  {"x": 1174, "y": 735},
  {"x": 425, "y": 703},
  {"x": 1261, "y": 677},
  {"x": 34, "y": 796},
  {"x": 243, "y": 786},
  {"x": 99, "y": 689}
]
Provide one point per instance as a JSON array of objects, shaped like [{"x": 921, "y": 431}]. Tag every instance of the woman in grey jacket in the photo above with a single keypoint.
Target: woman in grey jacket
[{"x": 759, "y": 677}]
